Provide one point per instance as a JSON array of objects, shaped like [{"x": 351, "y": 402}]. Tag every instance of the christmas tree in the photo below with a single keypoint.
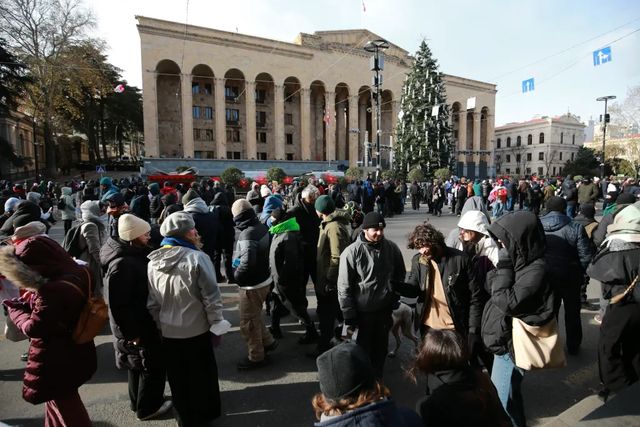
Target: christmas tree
[{"x": 423, "y": 132}]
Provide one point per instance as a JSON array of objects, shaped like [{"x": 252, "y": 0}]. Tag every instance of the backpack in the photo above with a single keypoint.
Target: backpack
[
  {"x": 93, "y": 317},
  {"x": 61, "y": 203},
  {"x": 71, "y": 242}
]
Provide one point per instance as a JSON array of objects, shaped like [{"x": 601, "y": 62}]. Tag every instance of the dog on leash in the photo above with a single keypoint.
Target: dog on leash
[{"x": 403, "y": 319}]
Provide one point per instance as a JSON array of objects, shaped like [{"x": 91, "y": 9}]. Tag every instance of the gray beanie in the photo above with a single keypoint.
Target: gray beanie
[
  {"x": 177, "y": 224},
  {"x": 239, "y": 206}
]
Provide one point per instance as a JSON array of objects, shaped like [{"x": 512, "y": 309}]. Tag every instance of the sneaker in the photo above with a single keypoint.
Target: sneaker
[
  {"x": 248, "y": 364},
  {"x": 221, "y": 279},
  {"x": 24, "y": 357},
  {"x": 271, "y": 347},
  {"x": 309, "y": 337},
  {"x": 598, "y": 318},
  {"x": 604, "y": 394},
  {"x": 163, "y": 409},
  {"x": 589, "y": 306}
]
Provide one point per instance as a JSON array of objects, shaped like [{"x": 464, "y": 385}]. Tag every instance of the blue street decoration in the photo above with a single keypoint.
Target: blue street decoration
[
  {"x": 601, "y": 56},
  {"x": 528, "y": 85}
]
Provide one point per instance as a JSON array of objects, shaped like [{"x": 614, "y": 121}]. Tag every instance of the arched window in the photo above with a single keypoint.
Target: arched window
[
  {"x": 541, "y": 137},
  {"x": 518, "y": 141},
  {"x": 529, "y": 139},
  {"x": 498, "y": 142},
  {"x": 508, "y": 141}
]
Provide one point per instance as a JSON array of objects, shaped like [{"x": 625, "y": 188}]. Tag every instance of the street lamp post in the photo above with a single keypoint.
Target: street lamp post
[
  {"x": 377, "y": 65},
  {"x": 604, "y": 131}
]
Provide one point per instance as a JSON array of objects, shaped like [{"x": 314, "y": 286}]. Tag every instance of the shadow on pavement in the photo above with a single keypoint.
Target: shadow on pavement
[
  {"x": 107, "y": 371},
  {"x": 12, "y": 375}
]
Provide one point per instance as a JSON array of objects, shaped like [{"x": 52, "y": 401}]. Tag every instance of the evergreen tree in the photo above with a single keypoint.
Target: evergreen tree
[{"x": 423, "y": 132}]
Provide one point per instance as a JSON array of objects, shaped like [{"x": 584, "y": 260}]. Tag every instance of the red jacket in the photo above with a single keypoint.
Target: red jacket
[{"x": 56, "y": 366}]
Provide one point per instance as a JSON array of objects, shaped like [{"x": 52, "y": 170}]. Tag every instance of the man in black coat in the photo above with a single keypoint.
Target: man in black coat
[
  {"x": 304, "y": 212},
  {"x": 207, "y": 225},
  {"x": 566, "y": 260},
  {"x": 221, "y": 210}
]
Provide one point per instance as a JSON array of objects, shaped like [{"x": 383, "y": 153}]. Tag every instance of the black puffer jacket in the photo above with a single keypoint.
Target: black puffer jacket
[
  {"x": 519, "y": 287},
  {"x": 252, "y": 249},
  {"x": 615, "y": 267},
  {"x": 207, "y": 225},
  {"x": 568, "y": 246},
  {"x": 126, "y": 285},
  {"x": 463, "y": 294},
  {"x": 309, "y": 222}
]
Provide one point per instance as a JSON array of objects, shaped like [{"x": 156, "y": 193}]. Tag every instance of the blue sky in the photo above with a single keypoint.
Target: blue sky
[{"x": 491, "y": 40}]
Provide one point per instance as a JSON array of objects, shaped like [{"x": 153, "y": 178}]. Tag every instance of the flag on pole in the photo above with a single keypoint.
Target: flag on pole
[
  {"x": 119, "y": 88},
  {"x": 364, "y": 8}
]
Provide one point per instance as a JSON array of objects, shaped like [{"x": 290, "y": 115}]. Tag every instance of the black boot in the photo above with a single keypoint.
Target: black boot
[{"x": 310, "y": 336}]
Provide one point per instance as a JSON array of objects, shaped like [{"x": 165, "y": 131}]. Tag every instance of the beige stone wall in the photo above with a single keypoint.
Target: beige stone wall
[{"x": 324, "y": 64}]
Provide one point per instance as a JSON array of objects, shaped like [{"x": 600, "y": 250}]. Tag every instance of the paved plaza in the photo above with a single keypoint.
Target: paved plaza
[{"x": 280, "y": 394}]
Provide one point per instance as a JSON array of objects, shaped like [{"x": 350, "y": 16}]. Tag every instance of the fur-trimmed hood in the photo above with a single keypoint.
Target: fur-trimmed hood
[
  {"x": 17, "y": 271},
  {"x": 35, "y": 260}
]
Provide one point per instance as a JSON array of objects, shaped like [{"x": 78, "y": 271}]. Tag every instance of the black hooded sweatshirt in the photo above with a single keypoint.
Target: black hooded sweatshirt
[{"x": 519, "y": 287}]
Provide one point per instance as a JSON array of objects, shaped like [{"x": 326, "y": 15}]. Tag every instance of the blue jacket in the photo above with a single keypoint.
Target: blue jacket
[
  {"x": 379, "y": 414},
  {"x": 568, "y": 246}
]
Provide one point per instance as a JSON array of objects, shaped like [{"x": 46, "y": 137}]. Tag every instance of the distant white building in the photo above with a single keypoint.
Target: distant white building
[{"x": 539, "y": 146}]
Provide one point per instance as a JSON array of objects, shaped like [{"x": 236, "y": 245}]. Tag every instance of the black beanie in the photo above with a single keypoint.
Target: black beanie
[
  {"x": 373, "y": 220},
  {"x": 279, "y": 215},
  {"x": 344, "y": 371},
  {"x": 557, "y": 204},
  {"x": 625, "y": 199},
  {"x": 25, "y": 213}
]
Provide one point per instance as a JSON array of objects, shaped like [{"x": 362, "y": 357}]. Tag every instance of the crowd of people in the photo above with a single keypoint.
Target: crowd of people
[{"x": 522, "y": 249}]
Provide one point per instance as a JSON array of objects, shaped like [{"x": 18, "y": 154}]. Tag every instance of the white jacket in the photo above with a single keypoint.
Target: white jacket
[
  {"x": 184, "y": 298},
  {"x": 477, "y": 221}
]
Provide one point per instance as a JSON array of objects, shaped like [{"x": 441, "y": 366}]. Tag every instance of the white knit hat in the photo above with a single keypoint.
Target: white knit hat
[
  {"x": 265, "y": 191},
  {"x": 130, "y": 227}
]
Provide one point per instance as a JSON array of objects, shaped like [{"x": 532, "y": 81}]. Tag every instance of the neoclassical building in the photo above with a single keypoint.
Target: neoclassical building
[
  {"x": 539, "y": 146},
  {"x": 211, "y": 94}
]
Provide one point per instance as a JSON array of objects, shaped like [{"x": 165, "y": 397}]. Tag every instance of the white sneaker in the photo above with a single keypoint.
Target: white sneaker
[{"x": 163, "y": 409}]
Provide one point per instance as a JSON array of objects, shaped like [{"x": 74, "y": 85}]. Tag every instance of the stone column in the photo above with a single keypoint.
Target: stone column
[
  {"x": 221, "y": 121},
  {"x": 250, "y": 103},
  {"x": 330, "y": 125},
  {"x": 476, "y": 140},
  {"x": 150, "y": 108},
  {"x": 278, "y": 126},
  {"x": 354, "y": 137},
  {"x": 341, "y": 136},
  {"x": 362, "y": 125},
  {"x": 187, "y": 116},
  {"x": 491, "y": 125},
  {"x": 462, "y": 135},
  {"x": 305, "y": 124}
]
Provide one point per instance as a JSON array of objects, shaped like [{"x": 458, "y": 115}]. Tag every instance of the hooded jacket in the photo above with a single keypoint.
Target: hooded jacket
[
  {"x": 474, "y": 203},
  {"x": 365, "y": 277},
  {"x": 600, "y": 233},
  {"x": 69, "y": 211},
  {"x": 518, "y": 285},
  {"x": 207, "y": 225},
  {"x": 56, "y": 366},
  {"x": 568, "y": 246},
  {"x": 252, "y": 249},
  {"x": 126, "y": 284},
  {"x": 184, "y": 299},
  {"x": 377, "y": 414},
  {"x": 335, "y": 236},
  {"x": 285, "y": 256},
  {"x": 271, "y": 203},
  {"x": 155, "y": 203},
  {"x": 462, "y": 292},
  {"x": 220, "y": 208},
  {"x": 93, "y": 234}
]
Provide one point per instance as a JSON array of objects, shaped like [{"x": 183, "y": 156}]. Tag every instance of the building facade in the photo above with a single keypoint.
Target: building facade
[
  {"x": 538, "y": 147},
  {"x": 211, "y": 94},
  {"x": 17, "y": 130}
]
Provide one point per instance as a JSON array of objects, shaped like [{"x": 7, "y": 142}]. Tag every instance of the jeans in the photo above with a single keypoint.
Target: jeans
[
  {"x": 507, "y": 378},
  {"x": 571, "y": 210},
  {"x": 498, "y": 209}
]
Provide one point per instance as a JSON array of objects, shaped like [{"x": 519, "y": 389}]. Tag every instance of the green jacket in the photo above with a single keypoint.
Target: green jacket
[
  {"x": 335, "y": 236},
  {"x": 587, "y": 193}
]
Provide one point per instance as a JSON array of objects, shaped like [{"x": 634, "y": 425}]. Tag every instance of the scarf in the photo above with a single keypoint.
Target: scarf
[
  {"x": 169, "y": 242},
  {"x": 289, "y": 225}
]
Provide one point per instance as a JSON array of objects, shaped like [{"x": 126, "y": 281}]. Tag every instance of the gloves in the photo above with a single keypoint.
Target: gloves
[
  {"x": 504, "y": 260},
  {"x": 16, "y": 303}
]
